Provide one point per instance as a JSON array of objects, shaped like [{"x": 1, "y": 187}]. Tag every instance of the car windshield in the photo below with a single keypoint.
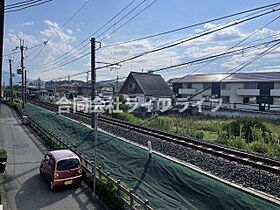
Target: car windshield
[{"x": 67, "y": 164}]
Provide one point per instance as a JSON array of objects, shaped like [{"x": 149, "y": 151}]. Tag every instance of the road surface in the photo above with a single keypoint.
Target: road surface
[{"x": 24, "y": 187}]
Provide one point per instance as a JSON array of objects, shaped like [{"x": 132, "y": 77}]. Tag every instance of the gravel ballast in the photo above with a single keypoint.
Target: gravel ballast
[{"x": 243, "y": 175}]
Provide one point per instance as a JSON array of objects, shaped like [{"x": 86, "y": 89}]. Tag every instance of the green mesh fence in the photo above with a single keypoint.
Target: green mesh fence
[{"x": 164, "y": 183}]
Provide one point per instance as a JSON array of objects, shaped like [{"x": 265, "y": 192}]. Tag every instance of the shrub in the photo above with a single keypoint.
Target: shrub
[
  {"x": 199, "y": 135},
  {"x": 125, "y": 116},
  {"x": 245, "y": 127},
  {"x": 259, "y": 146},
  {"x": 238, "y": 142}
]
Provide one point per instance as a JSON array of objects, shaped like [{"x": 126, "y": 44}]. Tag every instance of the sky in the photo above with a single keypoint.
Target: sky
[{"x": 55, "y": 21}]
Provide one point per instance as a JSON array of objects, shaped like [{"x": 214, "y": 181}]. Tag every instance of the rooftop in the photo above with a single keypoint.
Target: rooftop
[
  {"x": 227, "y": 77},
  {"x": 152, "y": 84},
  {"x": 61, "y": 154}
]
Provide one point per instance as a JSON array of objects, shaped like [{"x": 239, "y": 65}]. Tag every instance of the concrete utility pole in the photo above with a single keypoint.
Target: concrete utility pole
[
  {"x": 2, "y": 5},
  {"x": 93, "y": 112},
  {"x": 22, "y": 48},
  {"x": 25, "y": 86},
  {"x": 11, "y": 81}
]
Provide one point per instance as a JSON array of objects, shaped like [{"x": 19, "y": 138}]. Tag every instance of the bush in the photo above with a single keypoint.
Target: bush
[
  {"x": 245, "y": 127},
  {"x": 199, "y": 135},
  {"x": 125, "y": 116},
  {"x": 238, "y": 142},
  {"x": 259, "y": 146}
]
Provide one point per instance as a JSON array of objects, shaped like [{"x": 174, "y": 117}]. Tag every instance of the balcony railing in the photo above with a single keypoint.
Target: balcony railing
[{"x": 248, "y": 92}]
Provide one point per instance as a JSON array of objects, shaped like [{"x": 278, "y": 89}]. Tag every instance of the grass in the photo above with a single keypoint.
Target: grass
[{"x": 264, "y": 141}]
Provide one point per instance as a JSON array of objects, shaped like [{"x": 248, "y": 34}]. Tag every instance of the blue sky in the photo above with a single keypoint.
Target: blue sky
[{"x": 40, "y": 23}]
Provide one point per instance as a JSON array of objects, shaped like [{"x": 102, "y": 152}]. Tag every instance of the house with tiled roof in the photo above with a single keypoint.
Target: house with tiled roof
[{"x": 145, "y": 87}]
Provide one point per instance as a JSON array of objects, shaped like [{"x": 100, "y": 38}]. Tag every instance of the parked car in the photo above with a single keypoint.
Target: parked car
[{"x": 61, "y": 168}]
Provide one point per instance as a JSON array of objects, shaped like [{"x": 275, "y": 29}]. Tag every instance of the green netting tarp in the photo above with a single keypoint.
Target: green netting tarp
[{"x": 166, "y": 184}]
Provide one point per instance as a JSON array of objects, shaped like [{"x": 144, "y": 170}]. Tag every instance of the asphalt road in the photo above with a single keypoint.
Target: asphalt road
[{"x": 24, "y": 187}]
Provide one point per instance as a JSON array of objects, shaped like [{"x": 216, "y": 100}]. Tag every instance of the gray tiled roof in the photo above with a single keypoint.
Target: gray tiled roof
[
  {"x": 152, "y": 84},
  {"x": 237, "y": 77}
]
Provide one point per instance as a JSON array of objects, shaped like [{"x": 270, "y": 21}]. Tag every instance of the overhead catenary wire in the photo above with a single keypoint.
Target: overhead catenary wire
[
  {"x": 20, "y": 8},
  {"x": 201, "y": 23},
  {"x": 88, "y": 48},
  {"x": 241, "y": 66},
  {"x": 188, "y": 27},
  {"x": 203, "y": 59},
  {"x": 172, "y": 44},
  {"x": 80, "y": 45},
  {"x": 235, "y": 45}
]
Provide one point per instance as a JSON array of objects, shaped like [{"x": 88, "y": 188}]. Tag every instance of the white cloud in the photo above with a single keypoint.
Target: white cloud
[{"x": 28, "y": 23}]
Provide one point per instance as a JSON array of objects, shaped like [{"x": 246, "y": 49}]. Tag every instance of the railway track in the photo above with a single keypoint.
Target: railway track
[{"x": 238, "y": 156}]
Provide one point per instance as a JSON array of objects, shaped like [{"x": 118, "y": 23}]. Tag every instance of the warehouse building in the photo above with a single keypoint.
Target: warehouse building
[{"x": 258, "y": 91}]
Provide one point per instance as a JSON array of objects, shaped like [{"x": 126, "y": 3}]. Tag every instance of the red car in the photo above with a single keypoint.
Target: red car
[{"x": 61, "y": 168}]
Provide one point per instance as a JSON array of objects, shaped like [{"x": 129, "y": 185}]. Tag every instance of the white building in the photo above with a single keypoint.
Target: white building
[{"x": 259, "y": 91}]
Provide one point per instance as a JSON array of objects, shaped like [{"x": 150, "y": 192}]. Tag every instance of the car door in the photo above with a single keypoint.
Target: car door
[
  {"x": 49, "y": 167},
  {"x": 45, "y": 164}
]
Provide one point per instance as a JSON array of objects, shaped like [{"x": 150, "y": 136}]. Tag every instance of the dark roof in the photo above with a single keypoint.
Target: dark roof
[
  {"x": 152, "y": 84},
  {"x": 237, "y": 77}
]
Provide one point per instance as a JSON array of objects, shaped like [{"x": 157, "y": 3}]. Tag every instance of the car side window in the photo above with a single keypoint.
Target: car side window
[
  {"x": 47, "y": 158},
  {"x": 51, "y": 162}
]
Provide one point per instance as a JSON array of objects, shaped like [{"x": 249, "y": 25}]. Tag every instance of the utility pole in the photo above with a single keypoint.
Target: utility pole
[
  {"x": 22, "y": 48},
  {"x": 11, "y": 81},
  {"x": 93, "y": 112},
  {"x": 93, "y": 81},
  {"x": 25, "y": 86},
  {"x": 2, "y": 4}
]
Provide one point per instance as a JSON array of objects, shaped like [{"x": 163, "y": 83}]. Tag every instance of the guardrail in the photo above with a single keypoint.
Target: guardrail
[{"x": 129, "y": 199}]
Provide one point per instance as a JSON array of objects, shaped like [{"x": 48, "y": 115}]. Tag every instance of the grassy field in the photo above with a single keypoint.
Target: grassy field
[{"x": 247, "y": 134}]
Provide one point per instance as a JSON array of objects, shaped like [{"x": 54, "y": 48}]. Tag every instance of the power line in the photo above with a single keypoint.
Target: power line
[
  {"x": 242, "y": 66},
  {"x": 177, "y": 42},
  {"x": 125, "y": 23},
  {"x": 204, "y": 58},
  {"x": 201, "y": 23},
  {"x": 19, "y": 3},
  {"x": 99, "y": 29},
  {"x": 20, "y": 8},
  {"x": 235, "y": 45},
  {"x": 68, "y": 20},
  {"x": 189, "y": 26},
  {"x": 113, "y": 26}
]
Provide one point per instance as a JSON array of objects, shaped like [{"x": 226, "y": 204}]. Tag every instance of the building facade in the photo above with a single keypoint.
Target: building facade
[{"x": 258, "y": 91}]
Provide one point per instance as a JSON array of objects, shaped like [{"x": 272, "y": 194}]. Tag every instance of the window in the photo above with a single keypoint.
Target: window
[
  {"x": 206, "y": 85},
  {"x": 252, "y": 100},
  {"x": 245, "y": 100},
  {"x": 225, "y": 99},
  {"x": 225, "y": 86},
  {"x": 131, "y": 86},
  {"x": 250, "y": 85},
  {"x": 276, "y": 100},
  {"x": 189, "y": 85},
  {"x": 67, "y": 164},
  {"x": 249, "y": 100}
]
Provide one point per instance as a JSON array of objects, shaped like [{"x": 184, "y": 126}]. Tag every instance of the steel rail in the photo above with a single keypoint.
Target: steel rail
[{"x": 251, "y": 159}]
